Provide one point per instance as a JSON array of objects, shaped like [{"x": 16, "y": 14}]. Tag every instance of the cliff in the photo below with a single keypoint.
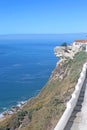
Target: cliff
[{"x": 44, "y": 111}]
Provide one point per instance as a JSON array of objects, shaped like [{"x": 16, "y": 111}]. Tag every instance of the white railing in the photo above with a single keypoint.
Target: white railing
[{"x": 72, "y": 102}]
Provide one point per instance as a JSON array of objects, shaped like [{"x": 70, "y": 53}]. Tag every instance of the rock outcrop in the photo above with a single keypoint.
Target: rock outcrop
[{"x": 66, "y": 52}]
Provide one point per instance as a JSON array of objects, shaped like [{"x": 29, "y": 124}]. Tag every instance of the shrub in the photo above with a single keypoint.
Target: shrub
[
  {"x": 64, "y": 44},
  {"x": 21, "y": 114}
]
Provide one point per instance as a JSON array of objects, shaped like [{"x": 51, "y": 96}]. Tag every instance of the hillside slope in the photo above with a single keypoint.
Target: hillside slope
[{"x": 44, "y": 111}]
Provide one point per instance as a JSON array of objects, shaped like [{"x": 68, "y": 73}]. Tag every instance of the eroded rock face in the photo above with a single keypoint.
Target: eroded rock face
[
  {"x": 60, "y": 71},
  {"x": 65, "y": 52}
]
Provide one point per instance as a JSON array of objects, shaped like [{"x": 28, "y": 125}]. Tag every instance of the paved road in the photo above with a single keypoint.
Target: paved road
[{"x": 78, "y": 119}]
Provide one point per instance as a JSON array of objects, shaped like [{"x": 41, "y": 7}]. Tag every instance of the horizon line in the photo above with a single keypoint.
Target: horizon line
[{"x": 43, "y": 33}]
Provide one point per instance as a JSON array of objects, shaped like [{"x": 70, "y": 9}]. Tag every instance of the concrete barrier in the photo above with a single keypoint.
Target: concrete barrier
[{"x": 72, "y": 102}]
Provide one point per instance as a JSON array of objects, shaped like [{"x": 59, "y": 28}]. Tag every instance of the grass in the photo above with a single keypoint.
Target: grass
[{"x": 45, "y": 110}]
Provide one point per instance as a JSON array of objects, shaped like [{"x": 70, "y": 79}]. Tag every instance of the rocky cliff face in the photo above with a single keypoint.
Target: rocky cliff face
[{"x": 66, "y": 52}]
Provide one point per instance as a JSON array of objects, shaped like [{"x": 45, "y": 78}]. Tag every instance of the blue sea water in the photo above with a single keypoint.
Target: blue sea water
[{"x": 26, "y": 64}]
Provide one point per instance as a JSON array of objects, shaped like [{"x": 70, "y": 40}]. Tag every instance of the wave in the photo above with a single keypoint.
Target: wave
[
  {"x": 12, "y": 110},
  {"x": 1, "y": 115}
]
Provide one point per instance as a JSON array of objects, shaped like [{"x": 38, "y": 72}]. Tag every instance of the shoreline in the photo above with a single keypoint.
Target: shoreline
[
  {"x": 63, "y": 73},
  {"x": 12, "y": 110}
]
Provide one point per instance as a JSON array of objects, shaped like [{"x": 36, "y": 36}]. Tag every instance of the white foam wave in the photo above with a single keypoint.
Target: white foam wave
[{"x": 1, "y": 115}]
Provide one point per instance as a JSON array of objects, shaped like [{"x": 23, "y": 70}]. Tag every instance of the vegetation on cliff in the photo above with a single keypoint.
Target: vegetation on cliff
[{"x": 44, "y": 111}]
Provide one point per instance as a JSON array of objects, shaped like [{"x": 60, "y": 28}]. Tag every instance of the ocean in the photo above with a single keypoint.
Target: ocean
[{"x": 26, "y": 63}]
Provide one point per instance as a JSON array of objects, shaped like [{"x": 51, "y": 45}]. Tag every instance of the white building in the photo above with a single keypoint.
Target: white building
[{"x": 80, "y": 43}]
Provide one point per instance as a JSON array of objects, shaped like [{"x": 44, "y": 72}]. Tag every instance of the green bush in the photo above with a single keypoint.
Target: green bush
[
  {"x": 21, "y": 114},
  {"x": 64, "y": 44},
  {"x": 4, "y": 128}
]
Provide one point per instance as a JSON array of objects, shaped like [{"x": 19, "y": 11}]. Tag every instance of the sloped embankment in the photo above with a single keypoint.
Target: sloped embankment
[{"x": 44, "y": 111}]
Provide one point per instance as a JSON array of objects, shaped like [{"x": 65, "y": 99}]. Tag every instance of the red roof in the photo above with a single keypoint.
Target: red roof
[{"x": 83, "y": 41}]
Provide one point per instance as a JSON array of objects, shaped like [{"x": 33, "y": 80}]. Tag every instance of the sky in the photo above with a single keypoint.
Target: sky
[{"x": 43, "y": 16}]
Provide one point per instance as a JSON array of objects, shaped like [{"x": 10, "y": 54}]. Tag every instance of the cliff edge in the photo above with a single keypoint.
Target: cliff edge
[{"x": 44, "y": 111}]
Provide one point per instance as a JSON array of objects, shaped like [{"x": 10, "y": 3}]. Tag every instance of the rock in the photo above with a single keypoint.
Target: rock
[{"x": 65, "y": 53}]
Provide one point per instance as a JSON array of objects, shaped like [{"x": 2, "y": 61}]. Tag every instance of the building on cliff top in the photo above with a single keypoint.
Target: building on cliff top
[{"x": 80, "y": 43}]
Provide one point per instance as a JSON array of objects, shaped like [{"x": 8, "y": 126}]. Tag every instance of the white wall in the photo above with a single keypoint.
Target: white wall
[{"x": 72, "y": 102}]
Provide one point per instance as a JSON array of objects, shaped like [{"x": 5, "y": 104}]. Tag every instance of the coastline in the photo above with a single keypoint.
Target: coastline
[
  {"x": 12, "y": 110},
  {"x": 50, "y": 98}
]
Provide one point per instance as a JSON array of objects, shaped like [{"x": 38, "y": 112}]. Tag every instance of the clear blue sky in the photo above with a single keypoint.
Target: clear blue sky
[{"x": 43, "y": 16}]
